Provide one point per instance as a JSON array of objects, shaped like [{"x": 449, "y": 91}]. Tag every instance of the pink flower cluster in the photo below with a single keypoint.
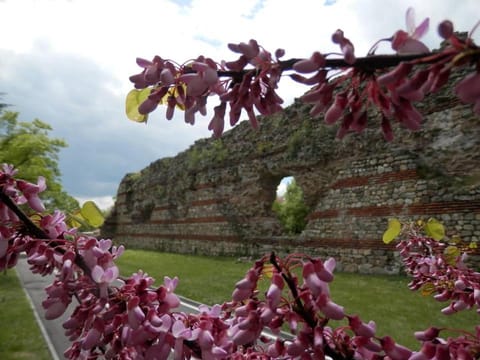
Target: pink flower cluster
[
  {"x": 19, "y": 192},
  {"x": 392, "y": 92},
  {"x": 439, "y": 268},
  {"x": 187, "y": 86},
  {"x": 305, "y": 306},
  {"x": 127, "y": 318},
  {"x": 390, "y": 83}
]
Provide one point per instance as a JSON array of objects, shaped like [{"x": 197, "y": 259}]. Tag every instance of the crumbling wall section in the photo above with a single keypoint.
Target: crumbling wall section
[{"x": 215, "y": 198}]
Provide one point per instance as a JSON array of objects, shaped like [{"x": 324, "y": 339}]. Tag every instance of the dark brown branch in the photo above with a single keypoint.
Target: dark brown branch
[
  {"x": 300, "y": 309},
  {"x": 367, "y": 62},
  {"x": 293, "y": 289},
  {"x": 31, "y": 228},
  {"x": 34, "y": 231}
]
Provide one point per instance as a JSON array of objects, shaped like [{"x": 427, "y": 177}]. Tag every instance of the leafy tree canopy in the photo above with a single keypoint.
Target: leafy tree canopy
[
  {"x": 31, "y": 149},
  {"x": 292, "y": 210}
]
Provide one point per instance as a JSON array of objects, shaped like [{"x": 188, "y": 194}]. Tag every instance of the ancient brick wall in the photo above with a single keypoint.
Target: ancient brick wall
[{"x": 215, "y": 198}]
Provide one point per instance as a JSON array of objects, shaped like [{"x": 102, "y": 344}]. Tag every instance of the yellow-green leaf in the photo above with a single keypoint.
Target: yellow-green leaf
[
  {"x": 75, "y": 220},
  {"x": 427, "y": 289},
  {"x": 455, "y": 239},
  {"x": 92, "y": 214},
  {"x": 173, "y": 91},
  {"x": 473, "y": 245},
  {"x": 132, "y": 102},
  {"x": 451, "y": 254},
  {"x": 393, "y": 230},
  {"x": 434, "y": 229},
  {"x": 267, "y": 270}
]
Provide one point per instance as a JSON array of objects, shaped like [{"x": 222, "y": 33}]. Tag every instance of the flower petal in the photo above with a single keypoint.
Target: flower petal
[
  {"x": 413, "y": 46},
  {"x": 410, "y": 20},
  {"x": 421, "y": 29},
  {"x": 97, "y": 274}
]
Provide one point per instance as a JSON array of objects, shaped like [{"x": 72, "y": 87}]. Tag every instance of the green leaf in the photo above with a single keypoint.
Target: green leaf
[
  {"x": 92, "y": 214},
  {"x": 393, "y": 230},
  {"x": 434, "y": 229},
  {"x": 451, "y": 254},
  {"x": 75, "y": 219},
  {"x": 267, "y": 270},
  {"x": 427, "y": 289},
  {"x": 133, "y": 101}
]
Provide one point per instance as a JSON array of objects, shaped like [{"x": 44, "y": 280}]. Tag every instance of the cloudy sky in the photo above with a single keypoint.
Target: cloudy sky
[{"x": 67, "y": 62}]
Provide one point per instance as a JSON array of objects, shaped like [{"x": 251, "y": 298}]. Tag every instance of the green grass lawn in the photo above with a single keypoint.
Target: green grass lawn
[
  {"x": 396, "y": 310},
  {"x": 20, "y": 337},
  {"x": 209, "y": 280}
]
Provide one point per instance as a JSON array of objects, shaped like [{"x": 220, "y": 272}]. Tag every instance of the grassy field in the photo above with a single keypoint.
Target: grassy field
[
  {"x": 384, "y": 299},
  {"x": 20, "y": 337}
]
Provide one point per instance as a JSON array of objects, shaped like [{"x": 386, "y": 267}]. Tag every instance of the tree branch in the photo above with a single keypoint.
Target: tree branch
[
  {"x": 34, "y": 231},
  {"x": 367, "y": 63}
]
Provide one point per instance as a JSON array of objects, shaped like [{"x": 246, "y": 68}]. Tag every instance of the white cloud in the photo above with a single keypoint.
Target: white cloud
[{"x": 67, "y": 62}]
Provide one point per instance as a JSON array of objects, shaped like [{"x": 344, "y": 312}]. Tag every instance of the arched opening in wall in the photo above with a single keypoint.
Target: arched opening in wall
[{"x": 290, "y": 207}]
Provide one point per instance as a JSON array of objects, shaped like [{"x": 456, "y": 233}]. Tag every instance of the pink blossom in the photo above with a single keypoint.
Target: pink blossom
[
  {"x": 93, "y": 336},
  {"x": 169, "y": 297},
  {"x": 427, "y": 352},
  {"x": 314, "y": 63},
  {"x": 104, "y": 275},
  {"x": 57, "y": 301},
  {"x": 213, "y": 312},
  {"x": 324, "y": 270},
  {"x": 31, "y": 191},
  {"x": 245, "y": 287},
  {"x": 312, "y": 280},
  {"x": 54, "y": 225},
  {"x": 218, "y": 121},
  {"x": 407, "y": 42},
  {"x": 54, "y": 307},
  {"x": 428, "y": 335},
  {"x": 274, "y": 292},
  {"x": 394, "y": 350},
  {"x": 329, "y": 308},
  {"x": 468, "y": 90},
  {"x": 335, "y": 111},
  {"x": 345, "y": 45},
  {"x": 181, "y": 333},
  {"x": 445, "y": 29},
  {"x": 135, "y": 313},
  {"x": 360, "y": 328}
]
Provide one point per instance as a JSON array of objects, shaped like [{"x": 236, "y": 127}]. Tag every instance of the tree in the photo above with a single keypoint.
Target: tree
[
  {"x": 292, "y": 211},
  {"x": 31, "y": 149},
  {"x": 134, "y": 320}
]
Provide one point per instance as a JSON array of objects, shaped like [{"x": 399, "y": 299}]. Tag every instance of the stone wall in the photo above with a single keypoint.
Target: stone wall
[{"x": 215, "y": 198}]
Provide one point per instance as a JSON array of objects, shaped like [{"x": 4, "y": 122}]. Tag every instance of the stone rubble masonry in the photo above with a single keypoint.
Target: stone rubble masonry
[{"x": 215, "y": 198}]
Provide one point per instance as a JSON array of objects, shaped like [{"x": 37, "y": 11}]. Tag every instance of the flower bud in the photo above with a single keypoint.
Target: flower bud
[
  {"x": 445, "y": 29},
  {"x": 392, "y": 77},
  {"x": 428, "y": 335},
  {"x": 279, "y": 53},
  {"x": 166, "y": 77},
  {"x": 305, "y": 66},
  {"x": 147, "y": 106},
  {"x": 336, "y": 109},
  {"x": 337, "y": 37},
  {"x": 468, "y": 90}
]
